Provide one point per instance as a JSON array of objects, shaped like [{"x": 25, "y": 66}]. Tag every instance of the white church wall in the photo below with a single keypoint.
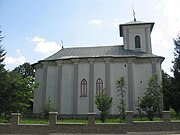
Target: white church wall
[
  {"x": 99, "y": 72},
  {"x": 143, "y": 31},
  {"x": 38, "y": 92},
  {"x": 83, "y": 102},
  {"x": 51, "y": 88},
  {"x": 142, "y": 74},
  {"x": 159, "y": 72},
  {"x": 132, "y": 34},
  {"x": 67, "y": 89},
  {"x": 148, "y": 44},
  {"x": 117, "y": 70}
]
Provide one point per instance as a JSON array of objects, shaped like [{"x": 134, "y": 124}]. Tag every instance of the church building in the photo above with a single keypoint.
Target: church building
[{"x": 72, "y": 77}]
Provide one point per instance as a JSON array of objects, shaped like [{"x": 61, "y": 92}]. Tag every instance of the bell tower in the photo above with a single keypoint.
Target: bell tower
[{"x": 137, "y": 36}]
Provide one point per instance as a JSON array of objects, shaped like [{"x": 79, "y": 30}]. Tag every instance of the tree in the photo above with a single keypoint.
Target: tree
[
  {"x": 176, "y": 71},
  {"x": 15, "y": 88},
  {"x": 138, "y": 107},
  {"x": 4, "y": 91},
  {"x": 2, "y": 57},
  {"x": 48, "y": 107},
  {"x": 121, "y": 89},
  {"x": 151, "y": 100},
  {"x": 2, "y": 50},
  {"x": 25, "y": 70},
  {"x": 168, "y": 90},
  {"x": 16, "y": 94},
  {"x": 3, "y": 78},
  {"x": 103, "y": 103}
]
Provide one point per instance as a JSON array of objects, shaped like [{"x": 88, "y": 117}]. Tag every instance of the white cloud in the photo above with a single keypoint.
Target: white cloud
[
  {"x": 38, "y": 39},
  {"x": 18, "y": 51},
  {"x": 96, "y": 22},
  {"x": 12, "y": 62},
  {"x": 159, "y": 37},
  {"x": 171, "y": 12},
  {"x": 168, "y": 27},
  {"x": 15, "y": 60},
  {"x": 45, "y": 47}
]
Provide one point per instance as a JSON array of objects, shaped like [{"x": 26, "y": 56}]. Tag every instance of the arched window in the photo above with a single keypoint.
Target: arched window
[
  {"x": 137, "y": 42},
  {"x": 99, "y": 85},
  {"x": 83, "y": 88}
]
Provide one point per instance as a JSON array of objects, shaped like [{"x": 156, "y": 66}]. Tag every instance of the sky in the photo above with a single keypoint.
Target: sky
[{"x": 36, "y": 29}]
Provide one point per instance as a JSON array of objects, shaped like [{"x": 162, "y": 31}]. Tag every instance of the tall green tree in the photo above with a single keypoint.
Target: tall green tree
[
  {"x": 121, "y": 90},
  {"x": 3, "y": 79},
  {"x": 21, "y": 92},
  {"x": 16, "y": 93},
  {"x": 25, "y": 70},
  {"x": 103, "y": 103},
  {"x": 176, "y": 71},
  {"x": 2, "y": 50},
  {"x": 15, "y": 88},
  {"x": 168, "y": 90},
  {"x": 152, "y": 98},
  {"x": 138, "y": 108}
]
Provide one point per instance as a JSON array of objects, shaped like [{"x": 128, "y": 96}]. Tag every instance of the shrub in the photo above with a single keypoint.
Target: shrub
[{"x": 47, "y": 107}]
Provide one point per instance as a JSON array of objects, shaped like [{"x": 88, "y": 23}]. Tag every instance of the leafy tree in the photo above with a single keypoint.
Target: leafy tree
[
  {"x": 138, "y": 107},
  {"x": 15, "y": 89},
  {"x": 4, "y": 91},
  {"x": 121, "y": 89},
  {"x": 47, "y": 107},
  {"x": 17, "y": 93},
  {"x": 168, "y": 90},
  {"x": 103, "y": 103},
  {"x": 25, "y": 70},
  {"x": 176, "y": 71},
  {"x": 150, "y": 102}
]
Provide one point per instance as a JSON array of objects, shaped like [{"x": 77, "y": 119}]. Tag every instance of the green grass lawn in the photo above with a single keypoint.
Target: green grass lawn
[
  {"x": 83, "y": 121},
  {"x": 33, "y": 121},
  {"x": 66, "y": 121}
]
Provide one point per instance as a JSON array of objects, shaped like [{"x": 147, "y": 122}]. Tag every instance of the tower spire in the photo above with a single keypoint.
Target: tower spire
[
  {"x": 62, "y": 43},
  {"x": 134, "y": 13}
]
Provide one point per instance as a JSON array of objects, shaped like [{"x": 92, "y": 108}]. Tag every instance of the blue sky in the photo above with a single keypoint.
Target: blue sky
[{"x": 33, "y": 29}]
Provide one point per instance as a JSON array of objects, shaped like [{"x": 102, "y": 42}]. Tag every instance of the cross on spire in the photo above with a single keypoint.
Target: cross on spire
[
  {"x": 134, "y": 13},
  {"x": 62, "y": 43}
]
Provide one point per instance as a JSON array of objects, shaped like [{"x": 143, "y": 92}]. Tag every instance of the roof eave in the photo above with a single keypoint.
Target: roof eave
[{"x": 126, "y": 56}]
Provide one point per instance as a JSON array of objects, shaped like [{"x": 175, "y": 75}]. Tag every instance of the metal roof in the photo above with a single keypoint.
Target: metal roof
[{"x": 95, "y": 52}]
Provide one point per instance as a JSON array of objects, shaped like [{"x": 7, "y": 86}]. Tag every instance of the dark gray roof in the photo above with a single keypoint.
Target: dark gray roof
[
  {"x": 95, "y": 52},
  {"x": 137, "y": 23}
]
